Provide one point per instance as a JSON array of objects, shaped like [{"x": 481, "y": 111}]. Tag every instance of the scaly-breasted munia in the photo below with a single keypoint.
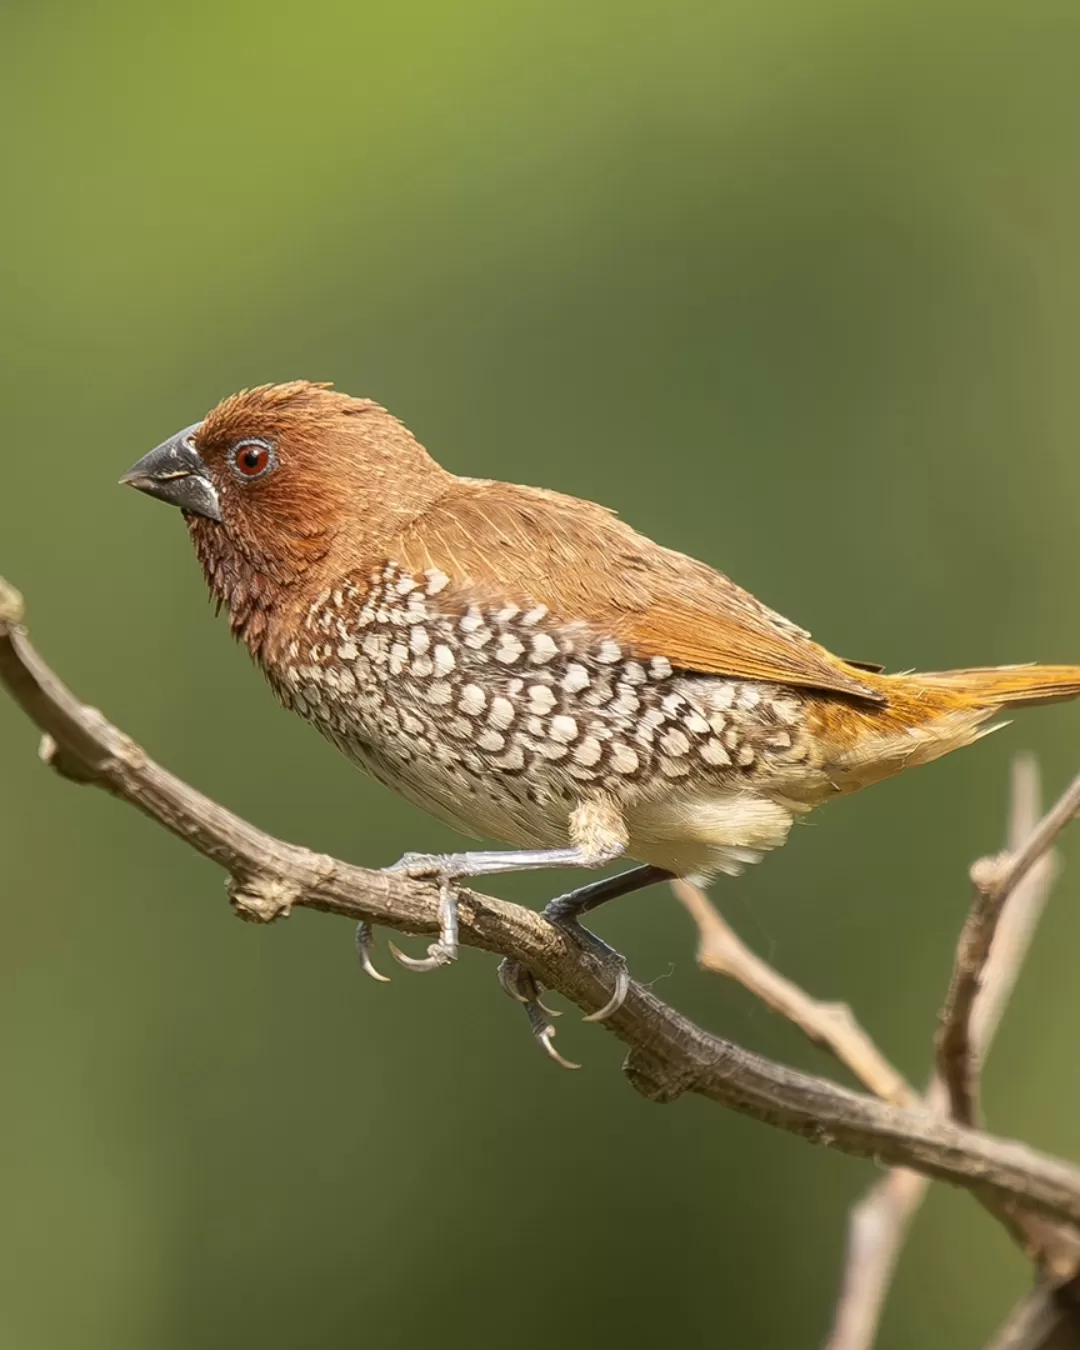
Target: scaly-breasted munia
[{"x": 526, "y": 666}]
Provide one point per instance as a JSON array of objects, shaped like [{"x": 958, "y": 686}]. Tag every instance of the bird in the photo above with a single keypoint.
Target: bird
[{"x": 527, "y": 667}]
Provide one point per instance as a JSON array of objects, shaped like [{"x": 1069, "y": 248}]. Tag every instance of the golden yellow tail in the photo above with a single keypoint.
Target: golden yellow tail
[
  {"x": 925, "y": 715},
  {"x": 995, "y": 686}
]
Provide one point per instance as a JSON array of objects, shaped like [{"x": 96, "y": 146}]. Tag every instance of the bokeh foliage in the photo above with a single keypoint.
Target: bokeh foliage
[{"x": 794, "y": 287}]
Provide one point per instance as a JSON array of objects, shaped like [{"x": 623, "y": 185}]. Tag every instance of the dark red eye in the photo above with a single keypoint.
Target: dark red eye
[{"x": 252, "y": 458}]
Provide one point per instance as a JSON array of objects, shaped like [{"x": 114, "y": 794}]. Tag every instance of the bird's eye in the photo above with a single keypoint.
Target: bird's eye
[{"x": 251, "y": 459}]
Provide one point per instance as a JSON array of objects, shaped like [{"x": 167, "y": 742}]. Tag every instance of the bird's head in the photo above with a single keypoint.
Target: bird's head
[{"x": 282, "y": 483}]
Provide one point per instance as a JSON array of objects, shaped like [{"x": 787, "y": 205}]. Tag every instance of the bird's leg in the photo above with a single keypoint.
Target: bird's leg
[
  {"x": 454, "y": 866},
  {"x": 449, "y": 867},
  {"x": 565, "y": 911}
]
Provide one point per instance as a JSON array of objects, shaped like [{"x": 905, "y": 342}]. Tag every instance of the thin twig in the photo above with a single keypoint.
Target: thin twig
[
  {"x": 877, "y": 1227},
  {"x": 668, "y": 1056},
  {"x": 994, "y": 880},
  {"x": 1030, "y": 891}
]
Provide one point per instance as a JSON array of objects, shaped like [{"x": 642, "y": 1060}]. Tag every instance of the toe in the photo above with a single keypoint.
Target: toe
[
  {"x": 545, "y": 1035},
  {"x": 617, "y": 999},
  {"x": 418, "y": 866},
  {"x": 521, "y": 985},
  {"x": 439, "y": 954},
  {"x": 364, "y": 943},
  {"x": 516, "y": 981}
]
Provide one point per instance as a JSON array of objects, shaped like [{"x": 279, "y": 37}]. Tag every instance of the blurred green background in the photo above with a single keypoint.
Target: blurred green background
[{"x": 794, "y": 286}]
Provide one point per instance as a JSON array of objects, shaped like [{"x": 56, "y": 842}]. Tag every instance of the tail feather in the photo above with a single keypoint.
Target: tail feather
[
  {"x": 925, "y": 716},
  {"x": 997, "y": 686}
]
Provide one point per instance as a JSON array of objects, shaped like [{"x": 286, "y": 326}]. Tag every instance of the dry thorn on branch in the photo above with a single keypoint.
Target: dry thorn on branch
[{"x": 668, "y": 1053}]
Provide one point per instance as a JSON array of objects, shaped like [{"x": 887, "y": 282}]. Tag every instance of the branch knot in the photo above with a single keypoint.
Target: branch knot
[
  {"x": 262, "y": 899},
  {"x": 656, "y": 1080}
]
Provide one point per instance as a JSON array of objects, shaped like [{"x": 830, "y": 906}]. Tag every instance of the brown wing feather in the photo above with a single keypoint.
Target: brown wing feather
[{"x": 500, "y": 542}]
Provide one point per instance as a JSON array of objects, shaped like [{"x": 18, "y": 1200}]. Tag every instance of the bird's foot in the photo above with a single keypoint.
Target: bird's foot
[
  {"x": 445, "y": 948},
  {"x": 419, "y": 866},
  {"x": 563, "y": 912},
  {"x": 523, "y": 987},
  {"x": 450, "y": 867}
]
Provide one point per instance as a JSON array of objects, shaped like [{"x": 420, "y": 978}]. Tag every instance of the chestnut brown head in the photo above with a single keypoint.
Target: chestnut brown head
[{"x": 287, "y": 475}]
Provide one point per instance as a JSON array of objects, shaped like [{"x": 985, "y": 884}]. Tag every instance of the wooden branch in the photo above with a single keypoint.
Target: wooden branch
[{"x": 669, "y": 1054}]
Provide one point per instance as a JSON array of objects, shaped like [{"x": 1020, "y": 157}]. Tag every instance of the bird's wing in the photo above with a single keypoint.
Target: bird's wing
[{"x": 499, "y": 543}]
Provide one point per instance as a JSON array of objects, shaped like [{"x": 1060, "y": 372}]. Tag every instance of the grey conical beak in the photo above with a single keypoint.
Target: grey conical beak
[{"x": 175, "y": 473}]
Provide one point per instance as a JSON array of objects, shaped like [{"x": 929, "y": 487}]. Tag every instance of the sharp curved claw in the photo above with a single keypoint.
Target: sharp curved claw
[
  {"x": 599, "y": 948},
  {"x": 364, "y": 943},
  {"x": 545, "y": 1034},
  {"x": 438, "y": 955},
  {"x": 617, "y": 999},
  {"x": 518, "y": 984},
  {"x": 521, "y": 986},
  {"x": 545, "y": 1038}
]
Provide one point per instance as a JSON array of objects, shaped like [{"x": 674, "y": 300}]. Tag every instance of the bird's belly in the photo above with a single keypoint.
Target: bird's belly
[
  {"x": 479, "y": 806},
  {"x": 398, "y": 744}
]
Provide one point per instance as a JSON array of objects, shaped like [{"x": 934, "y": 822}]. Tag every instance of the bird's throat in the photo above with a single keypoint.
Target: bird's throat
[{"x": 252, "y": 594}]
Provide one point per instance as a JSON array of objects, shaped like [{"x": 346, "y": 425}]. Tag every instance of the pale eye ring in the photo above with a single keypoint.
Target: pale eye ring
[{"x": 252, "y": 458}]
